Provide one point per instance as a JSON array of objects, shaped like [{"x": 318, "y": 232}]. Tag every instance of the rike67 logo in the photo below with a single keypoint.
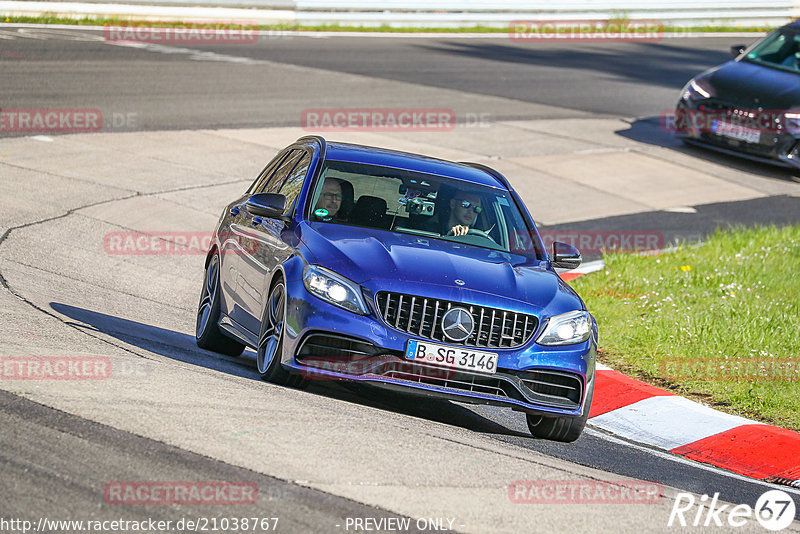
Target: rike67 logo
[{"x": 774, "y": 510}]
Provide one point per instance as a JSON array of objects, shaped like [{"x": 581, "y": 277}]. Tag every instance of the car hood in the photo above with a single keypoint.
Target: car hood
[
  {"x": 380, "y": 260},
  {"x": 751, "y": 85}
]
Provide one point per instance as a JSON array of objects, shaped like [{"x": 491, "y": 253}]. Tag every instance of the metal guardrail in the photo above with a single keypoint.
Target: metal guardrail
[
  {"x": 434, "y": 13},
  {"x": 561, "y": 6},
  {"x": 502, "y": 12}
]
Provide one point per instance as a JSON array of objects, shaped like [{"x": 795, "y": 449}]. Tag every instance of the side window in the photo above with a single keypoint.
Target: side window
[
  {"x": 267, "y": 172},
  {"x": 294, "y": 182},
  {"x": 274, "y": 182}
]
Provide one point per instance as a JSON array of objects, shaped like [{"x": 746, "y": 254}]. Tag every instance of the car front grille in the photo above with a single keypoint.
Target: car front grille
[
  {"x": 421, "y": 316},
  {"x": 752, "y": 118}
]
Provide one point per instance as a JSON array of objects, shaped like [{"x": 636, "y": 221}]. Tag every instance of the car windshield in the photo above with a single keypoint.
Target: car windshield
[
  {"x": 780, "y": 50},
  {"x": 409, "y": 202}
]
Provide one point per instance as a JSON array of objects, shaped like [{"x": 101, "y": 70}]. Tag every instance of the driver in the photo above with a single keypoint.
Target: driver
[{"x": 464, "y": 210}]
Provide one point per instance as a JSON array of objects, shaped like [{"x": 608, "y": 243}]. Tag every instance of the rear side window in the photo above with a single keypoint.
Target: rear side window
[
  {"x": 294, "y": 182},
  {"x": 274, "y": 182},
  {"x": 267, "y": 172},
  {"x": 273, "y": 176}
]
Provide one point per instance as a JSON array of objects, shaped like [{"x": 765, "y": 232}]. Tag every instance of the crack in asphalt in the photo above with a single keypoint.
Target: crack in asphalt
[
  {"x": 61, "y": 176},
  {"x": 5, "y": 285},
  {"x": 99, "y": 286}
]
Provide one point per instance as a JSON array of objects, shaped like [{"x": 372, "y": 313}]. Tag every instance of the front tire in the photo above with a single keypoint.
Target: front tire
[
  {"x": 207, "y": 333},
  {"x": 564, "y": 429},
  {"x": 270, "y": 340}
]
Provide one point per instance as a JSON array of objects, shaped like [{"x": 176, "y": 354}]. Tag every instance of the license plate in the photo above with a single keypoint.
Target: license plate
[
  {"x": 455, "y": 357},
  {"x": 734, "y": 131}
]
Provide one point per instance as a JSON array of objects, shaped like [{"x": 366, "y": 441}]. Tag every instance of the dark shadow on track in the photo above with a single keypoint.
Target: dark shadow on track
[
  {"x": 590, "y": 450},
  {"x": 651, "y": 131},
  {"x": 181, "y": 347},
  {"x": 657, "y": 64}
]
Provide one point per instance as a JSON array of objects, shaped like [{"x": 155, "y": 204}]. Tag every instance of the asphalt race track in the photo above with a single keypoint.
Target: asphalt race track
[{"x": 187, "y": 127}]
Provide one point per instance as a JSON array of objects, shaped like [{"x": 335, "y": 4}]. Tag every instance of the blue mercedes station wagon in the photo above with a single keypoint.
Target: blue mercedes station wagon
[{"x": 348, "y": 262}]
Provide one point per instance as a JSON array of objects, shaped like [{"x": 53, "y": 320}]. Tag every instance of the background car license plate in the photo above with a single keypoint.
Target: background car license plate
[
  {"x": 457, "y": 357},
  {"x": 734, "y": 131}
]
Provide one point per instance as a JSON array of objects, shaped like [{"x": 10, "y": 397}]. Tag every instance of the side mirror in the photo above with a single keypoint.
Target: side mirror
[
  {"x": 565, "y": 256},
  {"x": 737, "y": 50},
  {"x": 266, "y": 205}
]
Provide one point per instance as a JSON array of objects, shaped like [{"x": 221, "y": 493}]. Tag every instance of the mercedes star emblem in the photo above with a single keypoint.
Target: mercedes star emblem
[{"x": 457, "y": 324}]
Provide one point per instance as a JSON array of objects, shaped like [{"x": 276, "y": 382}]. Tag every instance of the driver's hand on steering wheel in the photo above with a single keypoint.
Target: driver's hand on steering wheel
[{"x": 458, "y": 230}]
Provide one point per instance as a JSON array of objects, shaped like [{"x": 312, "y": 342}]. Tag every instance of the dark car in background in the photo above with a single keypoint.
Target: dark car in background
[
  {"x": 749, "y": 106},
  {"x": 347, "y": 262}
]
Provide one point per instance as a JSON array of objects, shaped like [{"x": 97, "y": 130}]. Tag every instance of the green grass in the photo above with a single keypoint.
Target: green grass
[
  {"x": 719, "y": 322},
  {"x": 89, "y": 21}
]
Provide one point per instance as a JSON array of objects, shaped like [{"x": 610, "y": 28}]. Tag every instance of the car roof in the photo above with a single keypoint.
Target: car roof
[
  {"x": 794, "y": 25},
  {"x": 336, "y": 151}
]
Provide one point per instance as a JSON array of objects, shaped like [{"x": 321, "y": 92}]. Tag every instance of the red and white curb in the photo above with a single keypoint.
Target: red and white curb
[
  {"x": 586, "y": 268},
  {"x": 652, "y": 416}
]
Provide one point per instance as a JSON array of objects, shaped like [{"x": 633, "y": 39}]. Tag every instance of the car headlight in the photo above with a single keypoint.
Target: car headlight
[
  {"x": 792, "y": 122},
  {"x": 695, "y": 91},
  {"x": 334, "y": 288},
  {"x": 567, "y": 329}
]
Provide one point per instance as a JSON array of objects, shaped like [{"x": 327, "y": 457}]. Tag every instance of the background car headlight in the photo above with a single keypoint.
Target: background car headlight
[
  {"x": 567, "y": 329},
  {"x": 334, "y": 288},
  {"x": 695, "y": 91},
  {"x": 792, "y": 122}
]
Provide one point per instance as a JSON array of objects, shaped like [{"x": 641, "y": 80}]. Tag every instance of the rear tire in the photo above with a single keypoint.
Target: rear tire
[
  {"x": 564, "y": 429},
  {"x": 207, "y": 333},
  {"x": 270, "y": 340}
]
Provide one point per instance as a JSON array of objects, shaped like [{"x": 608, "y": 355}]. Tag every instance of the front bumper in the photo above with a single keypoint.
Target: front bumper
[
  {"x": 774, "y": 147},
  {"x": 324, "y": 342}
]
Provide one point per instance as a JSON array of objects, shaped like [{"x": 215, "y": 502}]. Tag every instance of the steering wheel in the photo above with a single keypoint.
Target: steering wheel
[{"x": 481, "y": 233}]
